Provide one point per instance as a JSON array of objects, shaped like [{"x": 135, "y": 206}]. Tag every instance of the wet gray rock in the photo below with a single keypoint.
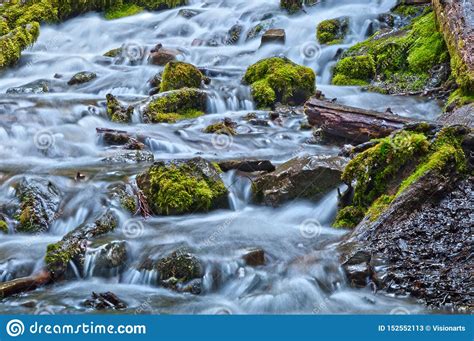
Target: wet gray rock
[
  {"x": 36, "y": 87},
  {"x": 180, "y": 271},
  {"x": 39, "y": 204},
  {"x": 274, "y": 36},
  {"x": 259, "y": 29},
  {"x": 110, "y": 258},
  {"x": 233, "y": 36},
  {"x": 460, "y": 116},
  {"x": 137, "y": 156},
  {"x": 300, "y": 178},
  {"x": 188, "y": 13},
  {"x": 81, "y": 78},
  {"x": 106, "y": 300},
  {"x": 422, "y": 243}
]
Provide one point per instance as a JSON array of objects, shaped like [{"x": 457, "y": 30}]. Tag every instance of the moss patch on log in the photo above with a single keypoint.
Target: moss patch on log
[{"x": 383, "y": 172}]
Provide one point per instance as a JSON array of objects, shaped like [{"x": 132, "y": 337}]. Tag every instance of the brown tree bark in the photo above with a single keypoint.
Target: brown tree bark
[{"x": 352, "y": 124}]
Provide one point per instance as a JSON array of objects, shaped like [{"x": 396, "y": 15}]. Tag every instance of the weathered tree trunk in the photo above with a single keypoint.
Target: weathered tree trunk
[
  {"x": 455, "y": 19},
  {"x": 24, "y": 284},
  {"x": 352, "y": 124}
]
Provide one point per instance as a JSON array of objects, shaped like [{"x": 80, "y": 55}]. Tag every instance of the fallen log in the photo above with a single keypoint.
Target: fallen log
[
  {"x": 354, "y": 125},
  {"x": 24, "y": 284},
  {"x": 71, "y": 248}
]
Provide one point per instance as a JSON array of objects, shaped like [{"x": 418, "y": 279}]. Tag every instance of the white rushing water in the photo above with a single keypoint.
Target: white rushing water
[{"x": 302, "y": 274}]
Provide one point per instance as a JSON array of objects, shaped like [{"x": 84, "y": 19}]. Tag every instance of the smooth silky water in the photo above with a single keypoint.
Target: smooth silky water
[{"x": 302, "y": 273}]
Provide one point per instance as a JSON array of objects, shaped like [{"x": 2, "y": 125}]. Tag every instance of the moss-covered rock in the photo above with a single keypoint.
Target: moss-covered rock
[
  {"x": 72, "y": 247},
  {"x": 357, "y": 70},
  {"x": 176, "y": 105},
  {"x": 81, "y": 78},
  {"x": 117, "y": 112},
  {"x": 39, "y": 204},
  {"x": 180, "y": 266},
  {"x": 291, "y": 6},
  {"x": 280, "y": 80},
  {"x": 178, "y": 75},
  {"x": 398, "y": 62},
  {"x": 332, "y": 31},
  {"x": 181, "y": 187},
  {"x": 3, "y": 227},
  {"x": 226, "y": 127},
  {"x": 384, "y": 171}
]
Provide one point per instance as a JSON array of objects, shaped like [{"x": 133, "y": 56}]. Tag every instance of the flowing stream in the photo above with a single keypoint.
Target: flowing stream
[{"x": 302, "y": 273}]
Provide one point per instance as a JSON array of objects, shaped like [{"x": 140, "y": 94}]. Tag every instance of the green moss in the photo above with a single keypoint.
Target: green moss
[
  {"x": 125, "y": 10},
  {"x": 280, "y": 80},
  {"x": 129, "y": 203},
  {"x": 332, "y": 31},
  {"x": 349, "y": 217},
  {"x": 379, "y": 206},
  {"x": 176, "y": 105},
  {"x": 401, "y": 61},
  {"x": 178, "y": 75},
  {"x": 179, "y": 188},
  {"x": 220, "y": 128},
  {"x": 113, "y": 53},
  {"x": 3, "y": 227},
  {"x": 445, "y": 150},
  {"x": 407, "y": 10},
  {"x": 374, "y": 168},
  {"x": 56, "y": 257},
  {"x": 386, "y": 164},
  {"x": 116, "y": 112},
  {"x": 356, "y": 70},
  {"x": 460, "y": 97},
  {"x": 291, "y": 6}
]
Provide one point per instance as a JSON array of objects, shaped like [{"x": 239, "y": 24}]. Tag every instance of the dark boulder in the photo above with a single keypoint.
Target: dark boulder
[
  {"x": 300, "y": 178},
  {"x": 106, "y": 300}
]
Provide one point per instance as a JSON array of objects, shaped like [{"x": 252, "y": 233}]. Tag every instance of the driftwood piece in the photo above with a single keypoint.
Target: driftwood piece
[
  {"x": 24, "y": 284},
  {"x": 352, "y": 124}
]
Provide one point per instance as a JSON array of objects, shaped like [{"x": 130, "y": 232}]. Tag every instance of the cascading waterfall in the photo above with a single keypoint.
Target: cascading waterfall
[{"x": 302, "y": 274}]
